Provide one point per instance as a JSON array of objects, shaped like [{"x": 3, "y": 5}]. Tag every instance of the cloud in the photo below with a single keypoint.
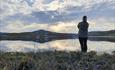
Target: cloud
[
  {"x": 56, "y": 11},
  {"x": 62, "y": 27},
  {"x": 23, "y": 6},
  {"x": 68, "y": 27},
  {"x": 22, "y": 27},
  {"x": 28, "y": 14}
]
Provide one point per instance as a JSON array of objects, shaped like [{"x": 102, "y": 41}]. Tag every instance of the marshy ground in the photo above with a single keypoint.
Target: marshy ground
[{"x": 56, "y": 60}]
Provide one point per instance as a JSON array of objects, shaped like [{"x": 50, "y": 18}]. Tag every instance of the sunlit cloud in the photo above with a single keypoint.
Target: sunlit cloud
[
  {"x": 55, "y": 15},
  {"x": 66, "y": 27}
]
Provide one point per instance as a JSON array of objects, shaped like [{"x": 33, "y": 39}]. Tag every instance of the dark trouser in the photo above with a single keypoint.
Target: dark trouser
[{"x": 83, "y": 43}]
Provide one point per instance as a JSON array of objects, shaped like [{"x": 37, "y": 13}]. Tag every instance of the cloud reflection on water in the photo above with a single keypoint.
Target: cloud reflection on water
[{"x": 64, "y": 45}]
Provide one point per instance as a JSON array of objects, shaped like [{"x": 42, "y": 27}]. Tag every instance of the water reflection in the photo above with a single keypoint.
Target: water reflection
[{"x": 64, "y": 45}]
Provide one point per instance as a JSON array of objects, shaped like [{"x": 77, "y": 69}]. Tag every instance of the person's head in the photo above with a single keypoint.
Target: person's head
[{"x": 85, "y": 18}]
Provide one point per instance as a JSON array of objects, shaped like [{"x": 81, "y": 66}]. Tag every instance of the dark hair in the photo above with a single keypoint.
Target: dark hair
[{"x": 85, "y": 18}]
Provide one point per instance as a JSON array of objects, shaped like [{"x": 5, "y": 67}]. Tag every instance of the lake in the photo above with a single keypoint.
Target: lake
[{"x": 63, "y": 45}]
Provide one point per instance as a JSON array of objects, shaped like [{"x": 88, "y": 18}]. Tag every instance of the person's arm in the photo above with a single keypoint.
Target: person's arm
[
  {"x": 78, "y": 26},
  {"x": 87, "y": 25}
]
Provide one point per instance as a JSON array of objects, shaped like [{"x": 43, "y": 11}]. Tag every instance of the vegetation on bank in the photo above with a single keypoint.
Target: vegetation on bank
[{"x": 56, "y": 60}]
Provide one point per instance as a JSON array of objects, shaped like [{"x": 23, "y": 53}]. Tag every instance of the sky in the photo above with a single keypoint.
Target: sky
[{"x": 55, "y": 15}]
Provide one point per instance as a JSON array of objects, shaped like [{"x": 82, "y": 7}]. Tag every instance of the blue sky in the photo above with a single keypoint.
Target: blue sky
[{"x": 55, "y": 15}]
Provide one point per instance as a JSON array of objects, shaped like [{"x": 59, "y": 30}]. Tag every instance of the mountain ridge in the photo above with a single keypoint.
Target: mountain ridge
[{"x": 45, "y": 36}]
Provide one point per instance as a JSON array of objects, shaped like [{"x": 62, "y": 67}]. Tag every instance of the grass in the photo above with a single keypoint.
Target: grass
[{"x": 56, "y": 60}]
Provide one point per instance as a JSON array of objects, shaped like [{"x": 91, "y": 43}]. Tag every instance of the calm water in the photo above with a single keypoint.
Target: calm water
[{"x": 66, "y": 45}]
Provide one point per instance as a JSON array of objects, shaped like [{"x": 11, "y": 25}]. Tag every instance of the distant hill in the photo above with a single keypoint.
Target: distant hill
[
  {"x": 102, "y": 36},
  {"x": 102, "y": 33},
  {"x": 38, "y": 36},
  {"x": 45, "y": 36}
]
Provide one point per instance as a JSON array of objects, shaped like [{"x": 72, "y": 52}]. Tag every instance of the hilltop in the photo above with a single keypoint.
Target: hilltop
[{"x": 42, "y": 36}]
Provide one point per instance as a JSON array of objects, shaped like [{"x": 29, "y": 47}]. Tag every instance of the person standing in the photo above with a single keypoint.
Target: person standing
[{"x": 83, "y": 33}]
